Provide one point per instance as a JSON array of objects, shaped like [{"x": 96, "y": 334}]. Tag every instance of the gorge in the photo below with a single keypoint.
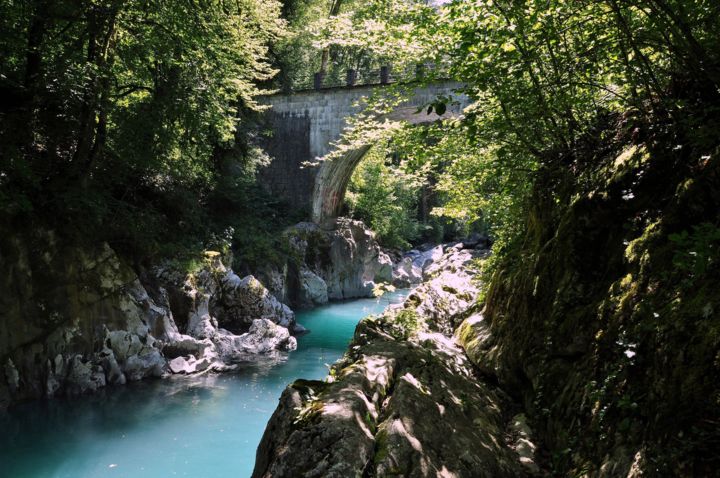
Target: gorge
[
  {"x": 179, "y": 426},
  {"x": 360, "y": 238}
]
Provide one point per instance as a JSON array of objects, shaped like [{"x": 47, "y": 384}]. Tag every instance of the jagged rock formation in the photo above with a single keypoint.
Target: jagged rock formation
[
  {"x": 344, "y": 262},
  {"x": 404, "y": 401},
  {"x": 76, "y": 320},
  {"x": 415, "y": 265}
]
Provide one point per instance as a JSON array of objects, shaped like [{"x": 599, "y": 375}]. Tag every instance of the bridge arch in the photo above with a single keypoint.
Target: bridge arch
[{"x": 305, "y": 125}]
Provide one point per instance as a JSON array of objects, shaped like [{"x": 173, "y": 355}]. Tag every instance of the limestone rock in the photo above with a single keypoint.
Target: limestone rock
[
  {"x": 384, "y": 268},
  {"x": 183, "y": 345},
  {"x": 230, "y": 320},
  {"x": 180, "y": 365},
  {"x": 244, "y": 300},
  {"x": 398, "y": 404},
  {"x": 84, "y": 377},
  {"x": 190, "y": 365},
  {"x": 265, "y": 336},
  {"x": 99, "y": 324},
  {"x": 151, "y": 363},
  {"x": 521, "y": 434},
  {"x": 112, "y": 369},
  {"x": 425, "y": 259},
  {"x": 347, "y": 258},
  {"x": 55, "y": 375},
  {"x": 91, "y": 328},
  {"x": 11, "y": 375},
  {"x": 276, "y": 280},
  {"x": 313, "y": 289},
  {"x": 406, "y": 273},
  {"x": 480, "y": 345}
]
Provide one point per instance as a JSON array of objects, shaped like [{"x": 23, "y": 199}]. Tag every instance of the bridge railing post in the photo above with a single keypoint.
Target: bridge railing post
[
  {"x": 351, "y": 77},
  {"x": 384, "y": 75},
  {"x": 318, "y": 80}
]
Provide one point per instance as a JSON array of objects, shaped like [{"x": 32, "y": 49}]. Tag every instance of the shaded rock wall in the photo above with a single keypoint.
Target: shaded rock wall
[
  {"x": 74, "y": 320},
  {"x": 344, "y": 262},
  {"x": 601, "y": 322}
]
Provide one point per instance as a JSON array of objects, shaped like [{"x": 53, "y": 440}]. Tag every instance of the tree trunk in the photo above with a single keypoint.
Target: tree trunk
[
  {"x": 36, "y": 33},
  {"x": 92, "y": 128},
  {"x": 104, "y": 61},
  {"x": 33, "y": 69},
  {"x": 324, "y": 59}
]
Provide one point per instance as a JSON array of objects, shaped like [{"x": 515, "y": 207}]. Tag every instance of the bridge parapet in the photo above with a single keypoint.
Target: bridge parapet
[{"x": 373, "y": 76}]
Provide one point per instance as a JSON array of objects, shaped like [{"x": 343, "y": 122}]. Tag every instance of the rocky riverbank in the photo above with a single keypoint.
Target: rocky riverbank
[
  {"x": 405, "y": 400},
  {"x": 344, "y": 262},
  {"x": 77, "y": 319}
]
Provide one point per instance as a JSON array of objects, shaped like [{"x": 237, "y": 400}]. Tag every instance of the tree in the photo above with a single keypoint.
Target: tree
[{"x": 116, "y": 103}]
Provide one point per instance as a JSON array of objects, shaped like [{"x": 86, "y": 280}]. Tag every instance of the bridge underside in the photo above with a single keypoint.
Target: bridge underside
[
  {"x": 304, "y": 127},
  {"x": 331, "y": 183}
]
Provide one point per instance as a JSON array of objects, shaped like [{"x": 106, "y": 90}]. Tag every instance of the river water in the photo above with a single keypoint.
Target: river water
[{"x": 206, "y": 426}]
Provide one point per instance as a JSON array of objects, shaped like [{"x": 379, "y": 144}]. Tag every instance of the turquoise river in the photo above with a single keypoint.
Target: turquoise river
[{"x": 207, "y": 426}]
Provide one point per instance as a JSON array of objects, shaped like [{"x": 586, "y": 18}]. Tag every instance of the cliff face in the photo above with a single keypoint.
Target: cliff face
[
  {"x": 344, "y": 262},
  {"x": 74, "y": 319},
  {"x": 604, "y": 322},
  {"x": 600, "y": 326}
]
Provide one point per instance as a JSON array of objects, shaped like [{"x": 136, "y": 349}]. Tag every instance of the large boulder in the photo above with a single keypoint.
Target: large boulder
[
  {"x": 229, "y": 319},
  {"x": 347, "y": 258},
  {"x": 313, "y": 289},
  {"x": 84, "y": 377},
  {"x": 244, "y": 300},
  {"x": 266, "y": 336},
  {"x": 425, "y": 259},
  {"x": 406, "y": 273}
]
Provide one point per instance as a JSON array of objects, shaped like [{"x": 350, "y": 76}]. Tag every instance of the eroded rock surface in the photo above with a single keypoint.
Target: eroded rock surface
[
  {"x": 229, "y": 319},
  {"x": 404, "y": 401},
  {"x": 77, "y": 320},
  {"x": 344, "y": 262}
]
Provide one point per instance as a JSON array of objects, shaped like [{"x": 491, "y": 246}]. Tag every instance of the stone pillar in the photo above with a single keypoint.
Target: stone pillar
[
  {"x": 384, "y": 75},
  {"x": 351, "y": 77},
  {"x": 318, "y": 80}
]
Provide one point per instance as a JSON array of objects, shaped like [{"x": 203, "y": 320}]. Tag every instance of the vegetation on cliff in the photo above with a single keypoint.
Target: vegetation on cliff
[
  {"x": 589, "y": 153},
  {"x": 591, "y": 150}
]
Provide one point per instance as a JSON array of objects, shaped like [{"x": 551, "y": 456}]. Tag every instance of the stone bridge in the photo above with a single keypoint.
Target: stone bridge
[{"x": 303, "y": 126}]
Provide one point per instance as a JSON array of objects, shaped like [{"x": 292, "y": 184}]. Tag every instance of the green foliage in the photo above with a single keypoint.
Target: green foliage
[
  {"x": 338, "y": 35},
  {"x": 127, "y": 117},
  {"x": 381, "y": 288},
  {"x": 385, "y": 198},
  {"x": 697, "y": 250},
  {"x": 405, "y": 323},
  {"x": 542, "y": 76}
]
